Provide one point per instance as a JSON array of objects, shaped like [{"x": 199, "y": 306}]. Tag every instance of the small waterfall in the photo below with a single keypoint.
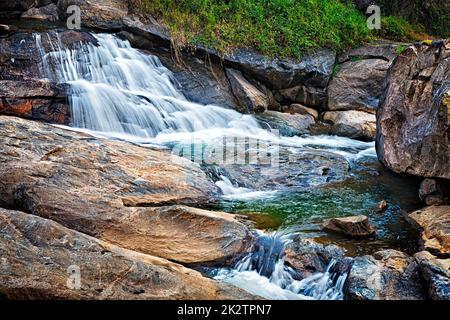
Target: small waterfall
[{"x": 263, "y": 272}]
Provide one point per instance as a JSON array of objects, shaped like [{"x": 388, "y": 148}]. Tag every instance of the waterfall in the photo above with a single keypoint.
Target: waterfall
[{"x": 263, "y": 272}]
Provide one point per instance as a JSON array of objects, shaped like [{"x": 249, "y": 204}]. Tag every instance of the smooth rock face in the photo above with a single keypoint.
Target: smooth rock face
[
  {"x": 387, "y": 275},
  {"x": 287, "y": 124},
  {"x": 312, "y": 70},
  {"x": 354, "y": 227},
  {"x": 412, "y": 121},
  {"x": 40, "y": 260},
  {"x": 434, "y": 224},
  {"x": 102, "y": 188},
  {"x": 436, "y": 273},
  {"x": 352, "y": 124},
  {"x": 250, "y": 98},
  {"x": 358, "y": 85}
]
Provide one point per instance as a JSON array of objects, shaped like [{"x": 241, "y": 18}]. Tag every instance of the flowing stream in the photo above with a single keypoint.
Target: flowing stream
[{"x": 119, "y": 92}]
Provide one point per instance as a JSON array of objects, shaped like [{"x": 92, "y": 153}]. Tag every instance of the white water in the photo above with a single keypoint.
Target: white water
[
  {"x": 119, "y": 92},
  {"x": 278, "y": 282}
]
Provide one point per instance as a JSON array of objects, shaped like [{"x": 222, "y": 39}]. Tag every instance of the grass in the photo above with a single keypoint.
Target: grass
[{"x": 273, "y": 27}]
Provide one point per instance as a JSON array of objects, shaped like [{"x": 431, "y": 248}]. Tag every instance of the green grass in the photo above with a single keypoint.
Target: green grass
[
  {"x": 273, "y": 27},
  {"x": 398, "y": 29}
]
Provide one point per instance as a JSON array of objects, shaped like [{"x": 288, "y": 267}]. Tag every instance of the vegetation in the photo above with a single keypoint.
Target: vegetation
[{"x": 274, "y": 27}]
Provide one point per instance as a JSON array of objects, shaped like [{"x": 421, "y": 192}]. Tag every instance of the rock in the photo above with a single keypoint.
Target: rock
[
  {"x": 387, "y": 275},
  {"x": 381, "y": 207},
  {"x": 298, "y": 108},
  {"x": 313, "y": 70},
  {"x": 352, "y": 124},
  {"x": 412, "y": 121},
  {"x": 354, "y": 227},
  {"x": 115, "y": 191},
  {"x": 431, "y": 192},
  {"x": 308, "y": 95},
  {"x": 362, "y": 4},
  {"x": 17, "y": 5},
  {"x": 358, "y": 85},
  {"x": 287, "y": 124},
  {"x": 434, "y": 224},
  {"x": 34, "y": 99},
  {"x": 49, "y": 13},
  {"x": 308, "y": 257},
  {"x": 40, "y": 259},
  {"x": 436, "y": 273},
  {"x": 250, "y": 98},
  {"x": 99, "y": 14}
]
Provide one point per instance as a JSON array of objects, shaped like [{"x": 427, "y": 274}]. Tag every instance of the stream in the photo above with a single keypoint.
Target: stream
[{"x": 121, "y": 93}]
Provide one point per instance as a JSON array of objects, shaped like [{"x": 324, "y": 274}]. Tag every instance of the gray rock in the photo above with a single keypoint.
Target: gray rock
[
  {"x": 49, "y": 13},
  {"x": 288, "y": 124},
  {"x": 436, "y": 273},
  {"x": 308, "y": 95},
  {"x": 353, "y": 227},
  {"x": 352, "y": 124}
]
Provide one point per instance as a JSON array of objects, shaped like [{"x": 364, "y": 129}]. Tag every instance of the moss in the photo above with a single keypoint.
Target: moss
[{"x": 400, "y": 49}]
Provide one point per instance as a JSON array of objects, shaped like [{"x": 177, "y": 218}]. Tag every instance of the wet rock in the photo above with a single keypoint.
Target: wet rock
[
  {"x": 300, "y": 109},
  {"x": 34, "y": 99},
  {"x": 312, "y": 70},
  {"x": 431, "y": 192},
  {"x": 308, "y": 257},
  {"x": 387, "y": 275},
  {"x": 308, "y": 95},
  {"x": 436, "y": 273},
  {"x": 412, "y": 121},
  {"x": 250, "y": 98},
  {"x": 40, "y": 259},
  {"x": 434, "y": 225},
  {"x": 381, "y": 207},
  {"x": 353, "y": 227},
  {"x": 115, "y": 191},
  {"x": 287, "y": 124},
  {"x": 17, "y": 5},
  {"x": 49, "y": 13},
  {"x": 353, "y": 124}
]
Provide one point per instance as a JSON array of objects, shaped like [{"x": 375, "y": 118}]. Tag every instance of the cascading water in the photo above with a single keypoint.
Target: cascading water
[
  {"x": 263, "y": 272},
  {"x": 117, "y": 91}
]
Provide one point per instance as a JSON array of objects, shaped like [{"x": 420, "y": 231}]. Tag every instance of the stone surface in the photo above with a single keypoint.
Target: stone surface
[
  {"x": 431, "y": 192},
  {"x": 310, "y": 96},
  {"x": 352, "y": 124},
  {"x": 387, "y": 275},
  {"x": 300, "y": 109},
  {"x": 436, "y": 273},
  {"x": 288, "y": 124},
  {"x": 311, "y": 70},
  {"x": 308, "y": 257},
  {"x": 34, "y": 99},
  {"x": 251, "y": 99},
  {"x": 354, "y": 227},
  {"x": 49, "y": 13},
  {"x": 115, "y": 191},
  {"x": 434, "y": 224},
  {"x": 412, "y": 121},
  {"x": 40, "y": 259}
]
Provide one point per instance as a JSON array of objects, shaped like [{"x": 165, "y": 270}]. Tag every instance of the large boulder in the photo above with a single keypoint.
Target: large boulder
[
  {"x": 353, "y": 227},
  {"x": 49, "y": 12},
  {"x": 286, "y": 123},
  {"x": 17, "y": 5},
  {"x": 387, "y": 275},
  {"x": 436, "y": 273},
  {"x": 413, "y": 119},
  {"x": 353, "y": 124},
  {"x": 358, "y": 82},
  {"x": 434, "y": 225},
  {"x": 115, "y": 191},
  {"x": 41, "y": 259}
]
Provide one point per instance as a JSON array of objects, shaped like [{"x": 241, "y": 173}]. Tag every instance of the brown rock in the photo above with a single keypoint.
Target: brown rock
[
  {"x": 431, "y": 192},
  {"x": 308, "y": 95},
  {"x": 300, "y": 109},
  {"x": 102, "y": 188},
  {"x": 48, "y": 13},
  {"x": 352, "y": 124},
  {"x": 381, "y": 206},
  {"x": 40, "y": 259},
  {"x": 434, "y": 224},
  {"x": 412, "y": 121},
  {"x": 354, "y": 227}
]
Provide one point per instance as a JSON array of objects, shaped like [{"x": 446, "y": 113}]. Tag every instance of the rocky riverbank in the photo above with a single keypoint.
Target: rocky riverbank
[{"x": 132, "y": 212}]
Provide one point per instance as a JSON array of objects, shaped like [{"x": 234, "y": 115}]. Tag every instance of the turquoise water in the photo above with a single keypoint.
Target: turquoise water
[{"x": 304, "y": 211}]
